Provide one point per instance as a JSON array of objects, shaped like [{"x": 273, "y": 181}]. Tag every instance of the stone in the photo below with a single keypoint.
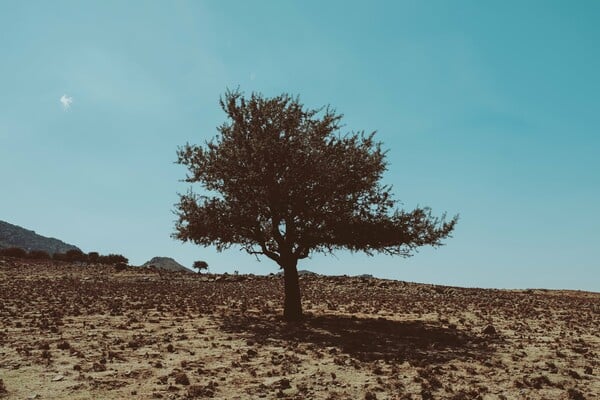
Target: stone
[{"x": 489, "y": 330}]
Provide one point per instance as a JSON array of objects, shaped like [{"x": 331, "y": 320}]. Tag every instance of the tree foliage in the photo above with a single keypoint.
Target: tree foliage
[
  {"x": 92, "y": 257},
  {"x": 282, "y": 181},
  {"x": 200, "y": 266}
]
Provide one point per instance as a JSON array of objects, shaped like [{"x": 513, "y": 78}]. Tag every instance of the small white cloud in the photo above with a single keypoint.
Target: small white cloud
[
  {"x": 252, "y": 76},
  {"x": 66, "y": 101}
]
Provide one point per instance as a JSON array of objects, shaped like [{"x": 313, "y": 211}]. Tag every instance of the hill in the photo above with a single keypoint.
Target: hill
[
  {"x": 16, "y": 236},
  {"x": 151, "y": 335},
  {"x": 166, "y": 263}
]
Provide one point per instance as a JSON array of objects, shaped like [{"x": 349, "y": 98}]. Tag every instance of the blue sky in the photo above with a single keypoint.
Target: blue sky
[{"x": 488, "y": 109}]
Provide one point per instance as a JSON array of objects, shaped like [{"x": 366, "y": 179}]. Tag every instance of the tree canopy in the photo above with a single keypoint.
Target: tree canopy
[
  {"x": 283, "y": 181},
  {"x": 200, "y": 265}
]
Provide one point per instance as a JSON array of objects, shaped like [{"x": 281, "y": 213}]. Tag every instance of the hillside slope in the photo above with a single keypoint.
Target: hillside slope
[
  {"x": 149, "y": 334},
  {"x": 166, "y": 263},
  {"x": 16, "y": 236}
]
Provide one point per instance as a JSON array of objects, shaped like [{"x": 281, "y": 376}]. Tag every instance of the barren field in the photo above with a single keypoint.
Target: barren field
[{"x": 89, "y": 332}]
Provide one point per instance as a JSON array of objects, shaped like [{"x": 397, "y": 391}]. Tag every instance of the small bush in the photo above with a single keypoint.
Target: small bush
[
  {"x": 13, "y": 252},
  {"x": 120, "y": 266},
  {"x": 113, "y": 259},
  {"x": 75, "y": 255},
  {"x": 93, "y": 256},
  {"x": 39, "y": 255}
]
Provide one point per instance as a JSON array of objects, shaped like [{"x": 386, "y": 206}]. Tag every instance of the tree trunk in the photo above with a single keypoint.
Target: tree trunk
[{"x": 292, "y": 307}]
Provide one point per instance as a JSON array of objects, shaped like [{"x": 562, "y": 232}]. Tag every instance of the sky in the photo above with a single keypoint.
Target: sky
[{"x": 489, "y": 110}]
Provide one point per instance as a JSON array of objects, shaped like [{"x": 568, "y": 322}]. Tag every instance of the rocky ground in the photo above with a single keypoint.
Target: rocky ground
[{"x": 91, "y": 332}]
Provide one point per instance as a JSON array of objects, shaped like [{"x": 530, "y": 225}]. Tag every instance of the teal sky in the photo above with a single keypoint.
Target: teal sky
[{"x": 488, "y": 109}]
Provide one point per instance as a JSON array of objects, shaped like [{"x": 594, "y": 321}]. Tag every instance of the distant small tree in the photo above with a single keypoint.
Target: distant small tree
[
  {"x": 200, "y": 266},
  {"x": 75, "y": 255},
  {"x": 93, "y": 256},
  {"x": 113, "y": 259},
  {"x": 283, "y": 182}
]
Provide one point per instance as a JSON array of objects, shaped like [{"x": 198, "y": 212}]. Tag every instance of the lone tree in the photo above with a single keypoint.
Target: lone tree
[
  {"x": 282, "y": 181},
  {"x": 200, "y": 266}
]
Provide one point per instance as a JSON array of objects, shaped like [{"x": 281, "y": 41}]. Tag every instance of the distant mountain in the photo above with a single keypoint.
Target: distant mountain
[
  {"x": 15, "y": 236},
  {"x": 166, "y": 263}
]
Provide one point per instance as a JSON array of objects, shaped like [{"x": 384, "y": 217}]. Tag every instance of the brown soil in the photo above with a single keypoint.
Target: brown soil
[{"x": 89, "y": 332}]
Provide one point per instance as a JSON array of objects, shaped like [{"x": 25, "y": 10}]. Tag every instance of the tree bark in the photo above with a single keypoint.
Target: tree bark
[{"x": 292, "y": 306}]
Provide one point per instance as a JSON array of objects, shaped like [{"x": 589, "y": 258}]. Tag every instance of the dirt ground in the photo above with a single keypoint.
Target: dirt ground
[{"x": 90, "y": 332}]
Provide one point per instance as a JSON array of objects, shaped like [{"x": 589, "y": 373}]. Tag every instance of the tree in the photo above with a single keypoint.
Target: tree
[
  {"x": 93, "y": 256},
  {"x": 75, "y": 255},
  {"x": 281, "y": 181},
  {"x": 200, "y": 265},
  {"x": 113, "y": 259}
]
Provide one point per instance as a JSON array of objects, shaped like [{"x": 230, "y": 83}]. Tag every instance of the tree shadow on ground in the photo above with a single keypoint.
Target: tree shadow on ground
[{"x": 367, "y": 339}]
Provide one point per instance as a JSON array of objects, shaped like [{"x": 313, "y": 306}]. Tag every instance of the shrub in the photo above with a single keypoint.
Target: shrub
[
  {"x": 14, "y": 252},
  {"x": 120, "y": 266},
  {"x": 75, "y": 255},
  {"x": 93, "y": 256},
  {"x": 182, "y": 379},
  {"x": 113, "y": 259},
  {"x": 39, "y": 255}
]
